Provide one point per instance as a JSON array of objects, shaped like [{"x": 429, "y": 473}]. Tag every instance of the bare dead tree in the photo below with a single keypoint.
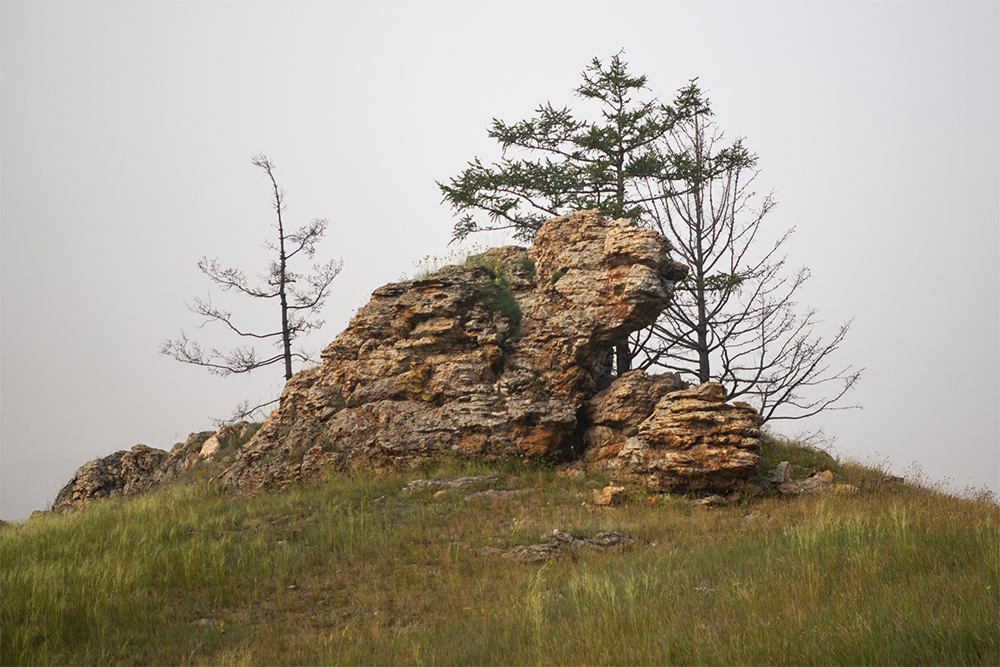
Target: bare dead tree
[
  {"x": 734, "y": 320},
  {"x": 299, "y": 296}
]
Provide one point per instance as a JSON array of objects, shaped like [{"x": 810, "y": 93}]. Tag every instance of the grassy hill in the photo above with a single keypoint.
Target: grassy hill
[{"x": 351, "y": 570}]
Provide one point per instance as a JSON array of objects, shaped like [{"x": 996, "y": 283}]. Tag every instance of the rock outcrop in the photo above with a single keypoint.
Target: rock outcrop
[
  {"x": 503, "y": 356},
  {"x": 649, "y": 431},
  {"x": 127, "y": 473},
  {"x": 121, "y": 473},
  {"x": 497, "y": 356},
  {"x": 822, "y": 481}
]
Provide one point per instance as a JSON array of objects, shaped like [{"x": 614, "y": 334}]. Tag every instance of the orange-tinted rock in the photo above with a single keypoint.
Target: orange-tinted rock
[
  {"x": 491, "y": 358},
  {"x": 690, "y": 440},
  {"x": 500, "y": 357},
  {"x": 610, "y": 495}
]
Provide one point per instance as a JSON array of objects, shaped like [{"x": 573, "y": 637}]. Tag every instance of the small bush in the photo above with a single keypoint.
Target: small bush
[{"x": 501, "y": 300}]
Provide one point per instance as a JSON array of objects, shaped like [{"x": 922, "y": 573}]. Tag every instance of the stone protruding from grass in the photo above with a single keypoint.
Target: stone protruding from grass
[
  {"x": 449, "y": 483},
  {"x": 558, "y": 543},
  {"x": 822, "y": 481},
  {"x": 653, "y": 432},
  {"x": 610, "y": 495}
]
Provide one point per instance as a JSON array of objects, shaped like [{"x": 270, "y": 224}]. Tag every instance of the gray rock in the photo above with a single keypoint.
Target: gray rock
[
  {"x": 558, "y": 543},
  {"x": 449, "y": 483},
  {"x": 781, "y": 474}
]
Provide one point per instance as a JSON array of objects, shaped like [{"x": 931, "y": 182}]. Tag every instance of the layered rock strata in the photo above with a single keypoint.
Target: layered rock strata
[
  {"x": 500, "y": 357},
  {"x": 494, "y": 357},
  {"x": 650, "y": 431}
]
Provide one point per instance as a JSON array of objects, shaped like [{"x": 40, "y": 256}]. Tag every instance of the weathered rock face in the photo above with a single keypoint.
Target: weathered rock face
[
  {"x": 650, "y": 431},
  {"x": 142, "y": 468},
  {"x": 494, "y": 357},
  {"x": 109, "y": 476},
  {"x": 504, "y": 355}
]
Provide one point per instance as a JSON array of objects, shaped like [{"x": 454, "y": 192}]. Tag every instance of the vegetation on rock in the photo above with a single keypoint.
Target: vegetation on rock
[
  {"x": 483, "y": 358},
  {"x": 668, "y": 167}
]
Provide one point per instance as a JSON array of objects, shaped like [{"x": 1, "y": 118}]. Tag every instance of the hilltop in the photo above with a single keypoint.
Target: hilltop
[
  {"x": 464, "y": 479},
  {"x": 360, "y": 568}
]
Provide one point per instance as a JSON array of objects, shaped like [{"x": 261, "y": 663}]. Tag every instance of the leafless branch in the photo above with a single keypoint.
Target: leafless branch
[
  {"x": 300, "y": 296},
  {"x": 735, "y": 319}
]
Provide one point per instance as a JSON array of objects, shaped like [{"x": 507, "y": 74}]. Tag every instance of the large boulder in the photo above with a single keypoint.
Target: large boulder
[
  {"x": 652, "y": 432},
  {"x": 119, "y": 474},
  {"x": 495, "y": 356}
]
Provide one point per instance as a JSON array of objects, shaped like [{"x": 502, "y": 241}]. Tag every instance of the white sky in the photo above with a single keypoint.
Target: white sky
[{"x": 126, "y": 131}]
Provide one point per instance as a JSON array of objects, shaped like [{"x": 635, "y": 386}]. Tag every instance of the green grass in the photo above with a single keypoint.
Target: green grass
[
  {"x": 348, "y": 570},
  {"x": 497, "y": 295}
]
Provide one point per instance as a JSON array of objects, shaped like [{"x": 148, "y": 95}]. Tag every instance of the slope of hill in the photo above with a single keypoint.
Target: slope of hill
[{"x": 356, "y": 569}]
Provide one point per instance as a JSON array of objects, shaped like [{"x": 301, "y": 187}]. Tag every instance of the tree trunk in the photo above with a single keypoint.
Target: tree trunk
[
  {"x": 285, "y": 337},
  {"x": 623, "y": 358}
]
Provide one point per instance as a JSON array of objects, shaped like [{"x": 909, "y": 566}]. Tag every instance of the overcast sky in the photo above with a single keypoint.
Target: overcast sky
[{"x": 126, "y": 131}]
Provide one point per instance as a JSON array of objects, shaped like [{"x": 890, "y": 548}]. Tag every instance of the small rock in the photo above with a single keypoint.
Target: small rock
[
  {"x": 782, "y": 473},
  {"x": 710, "y": 501},
  {"x": 818, "y": 483},
  {"x": 495, "y": 494},
  {"x": 883, "y": 483},
  {"x": 449, "y": 483},
  {"x": 609, "y": 495},
  {"x": 558, "y": 542}
]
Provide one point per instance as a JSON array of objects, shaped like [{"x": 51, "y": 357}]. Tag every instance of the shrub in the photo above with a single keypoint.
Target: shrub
[{"x": 499, "y": 299}]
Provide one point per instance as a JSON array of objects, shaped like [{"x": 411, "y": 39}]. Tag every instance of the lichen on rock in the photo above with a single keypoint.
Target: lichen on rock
[
  {"x": 127, "y": 473},
  {"x": 142, "y": 468}
]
